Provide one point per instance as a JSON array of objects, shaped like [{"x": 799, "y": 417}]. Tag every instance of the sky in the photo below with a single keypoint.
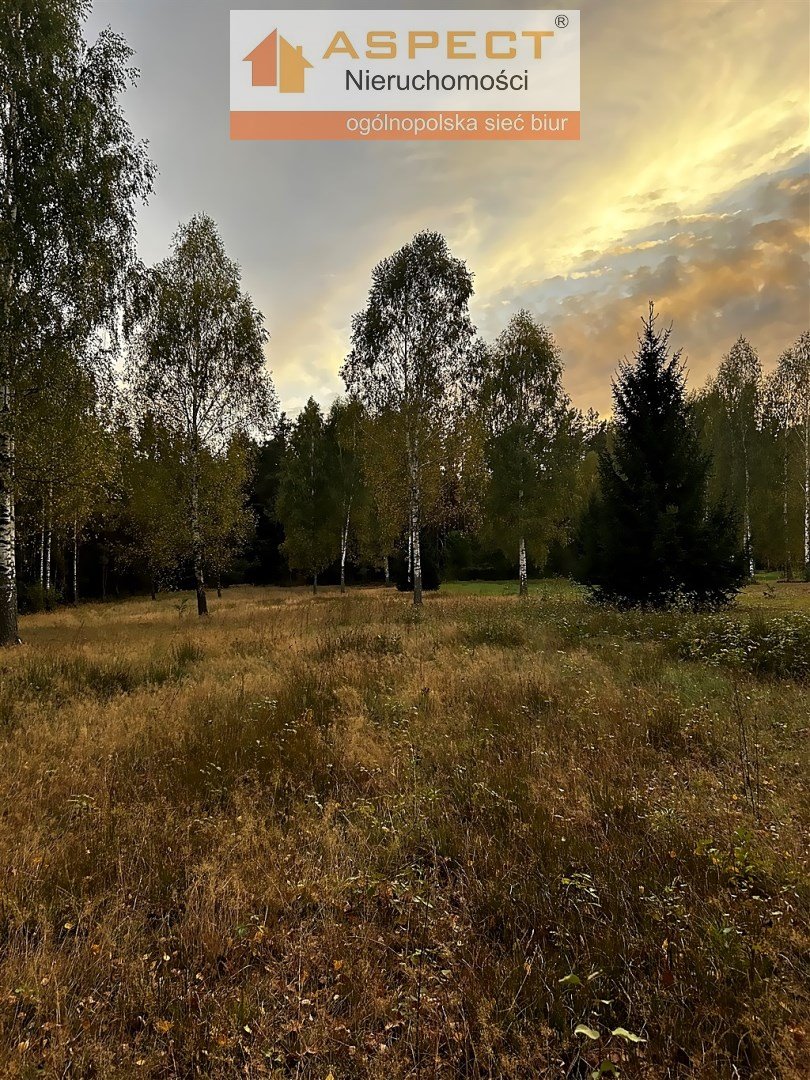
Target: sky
[{"x": 690, "y": 186}]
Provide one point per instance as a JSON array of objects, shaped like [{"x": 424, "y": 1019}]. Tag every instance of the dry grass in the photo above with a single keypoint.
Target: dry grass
[{"x": 329, "y": 835}]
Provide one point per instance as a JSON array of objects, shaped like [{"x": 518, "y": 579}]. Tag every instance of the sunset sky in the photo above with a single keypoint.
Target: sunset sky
[{"x": 690, "y": 186}]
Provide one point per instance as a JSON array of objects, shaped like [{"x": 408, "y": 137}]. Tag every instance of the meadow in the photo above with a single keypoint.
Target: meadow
[{"x": 336, "y": 837}]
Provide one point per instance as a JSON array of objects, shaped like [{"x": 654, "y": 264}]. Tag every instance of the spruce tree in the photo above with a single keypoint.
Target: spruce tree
[{"x": 650, "y": 537}]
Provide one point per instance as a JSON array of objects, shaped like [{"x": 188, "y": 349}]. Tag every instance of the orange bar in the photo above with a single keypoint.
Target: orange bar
[{"x": 536, "y": 125}]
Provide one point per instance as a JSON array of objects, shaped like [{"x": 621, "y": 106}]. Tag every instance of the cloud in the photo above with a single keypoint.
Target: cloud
[
  {"x": 715, "y": 275},
  {"x": 689, "y": 185}
]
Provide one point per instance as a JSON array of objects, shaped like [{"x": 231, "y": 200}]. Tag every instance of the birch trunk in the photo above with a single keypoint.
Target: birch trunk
[
  {"x": 749, "y": 554},
  {"x": 48, "y": 546},
  {"x": 344, "y": 547},
  {"x": 314, "y": 584},
  {"x": 785, "y": 518},
  {"x": 416, "y": 547},
  {"x": 9, "y": 633},
  {"x": 75, "y": 589},
  {"x": 196, "y": 540},
  {"x": 415, "y": 522},
  {"x": 8, "y": 559},
  {"x": 42, "y": 550},
  {"x": 387, "y": 571},
  {"x": 524, "y": 577}
]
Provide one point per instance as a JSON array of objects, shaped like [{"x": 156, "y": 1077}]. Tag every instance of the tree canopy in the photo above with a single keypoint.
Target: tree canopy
[{"x": 651, "y": 538}]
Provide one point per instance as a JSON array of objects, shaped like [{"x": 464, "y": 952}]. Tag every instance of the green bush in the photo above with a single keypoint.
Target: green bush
[{"x": 777, "y": 646}]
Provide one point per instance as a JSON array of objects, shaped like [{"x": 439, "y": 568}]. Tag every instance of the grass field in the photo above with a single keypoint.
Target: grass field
[{"x": 332, "y": 836}]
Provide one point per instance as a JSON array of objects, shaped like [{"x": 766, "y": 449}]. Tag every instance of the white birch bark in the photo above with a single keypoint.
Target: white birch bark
[
  {"x": 48, "y": 543},
  {"x": 344, "y": 546},
  {"x": 747, "y": 511},
  {"x": 75, "y": 562},
  {"x": 417, "y": 555},
  {"x": 415, "y": 523},
  {"x": 807, "y": 492},
  {"x": 524, "y": 578},
  {"x": 196, "y": 539},
  {"x": 8, "y": 539},
  {"x": 42, "y": 548},
  {"x": 785, "y": 515},
  {"x": 9, "y": 634}
]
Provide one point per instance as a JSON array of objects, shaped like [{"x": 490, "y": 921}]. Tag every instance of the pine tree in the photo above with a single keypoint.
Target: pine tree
[{"x": 651, "y": 538}]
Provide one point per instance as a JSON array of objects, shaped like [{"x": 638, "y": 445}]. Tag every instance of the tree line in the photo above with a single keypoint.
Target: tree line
[{"x": 142, "y": 444}]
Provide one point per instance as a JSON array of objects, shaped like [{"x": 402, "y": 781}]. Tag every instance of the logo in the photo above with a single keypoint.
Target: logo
[
  {"x": 278, "y": 63},
  {"x": 405, "y": 74}
]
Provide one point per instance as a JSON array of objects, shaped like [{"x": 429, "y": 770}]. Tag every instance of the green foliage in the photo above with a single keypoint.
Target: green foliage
[
  {"x": 778, "y": 647},
  {"x": 197, "y": 356},
  {"x": 409, "y": 350},
  {"x": 344, "y": 432},
  {"x": 650, "y": 538},
  {"x": 227, "y": 522},
  {"x": 197, "y": 366},
  {"x": 308, "y": 505},
  {"x": 71, "y": 176},
  {"x": 532, "y": 440},
  {"x": 152, "y": 517}
]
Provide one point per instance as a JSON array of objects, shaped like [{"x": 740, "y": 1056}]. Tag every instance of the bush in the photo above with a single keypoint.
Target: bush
[
  {"x": 32, "y": 599},
  {"x": 779, "y": 647}
]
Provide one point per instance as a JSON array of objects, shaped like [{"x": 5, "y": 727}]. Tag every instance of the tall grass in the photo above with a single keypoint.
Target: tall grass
[{"x": 494, "y": 839}]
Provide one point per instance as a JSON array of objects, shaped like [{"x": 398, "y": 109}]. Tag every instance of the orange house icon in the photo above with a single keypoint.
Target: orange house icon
[{"x": 278, "y": 63}]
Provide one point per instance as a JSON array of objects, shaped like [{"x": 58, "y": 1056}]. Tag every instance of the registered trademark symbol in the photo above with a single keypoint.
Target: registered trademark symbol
[{"x": 561, "y": 21}]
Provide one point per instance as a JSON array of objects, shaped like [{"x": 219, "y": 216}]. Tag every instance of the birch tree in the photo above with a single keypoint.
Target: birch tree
[
  {"x": 65, "y": 454},
  {"x": 228, "y": 522},
  {"x": 409, "y": 349},
  {"x": 779, "y": 418},
  {"x": 344, "y": 430},
  {"x": 71, "y": 176},
  {"x": 530, "y": 449},
  {"x": 801, "y": 370},
  {"x": 379, "y": 517},
  {"x": 739, "y": 388},
  {"x": 197, "y": 361},
  {"x": 149, "y": 515},
  {"x": 793, "y": 374}
]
